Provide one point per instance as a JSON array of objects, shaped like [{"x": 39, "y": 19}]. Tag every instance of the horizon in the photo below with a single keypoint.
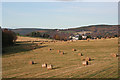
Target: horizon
[
  {"x": 57, "y": 28},
  {"x": 61, "y": 15}
]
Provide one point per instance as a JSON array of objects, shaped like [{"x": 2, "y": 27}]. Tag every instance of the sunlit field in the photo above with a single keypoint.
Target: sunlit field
[{"x": 15, "y": 60}]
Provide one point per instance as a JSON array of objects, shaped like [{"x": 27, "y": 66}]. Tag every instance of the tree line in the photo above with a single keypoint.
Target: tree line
[
  {"x": 56, "y": 36},
  {"x": 38, "y": 34}
]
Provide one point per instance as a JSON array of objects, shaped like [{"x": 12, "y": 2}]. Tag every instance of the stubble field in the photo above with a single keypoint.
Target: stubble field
[{"x": 15, "y": 61}]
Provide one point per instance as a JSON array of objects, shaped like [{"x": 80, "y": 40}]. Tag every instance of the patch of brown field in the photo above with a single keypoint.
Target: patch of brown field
[{"x": 20, "y": 38}]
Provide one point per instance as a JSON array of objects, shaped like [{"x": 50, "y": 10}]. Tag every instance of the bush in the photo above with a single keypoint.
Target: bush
[
  {"x": 8, "y": 37},
  {"x": 89, "y": 36},
  {"x": 80, "y": 38},
  {"x": 99, "y": 37},
  {"x": 38, "y": 34},
  {"x": 115, "y": 35}
]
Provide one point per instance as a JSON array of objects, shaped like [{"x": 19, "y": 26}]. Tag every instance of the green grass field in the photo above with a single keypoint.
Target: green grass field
[{"x": 15, "y": 61}]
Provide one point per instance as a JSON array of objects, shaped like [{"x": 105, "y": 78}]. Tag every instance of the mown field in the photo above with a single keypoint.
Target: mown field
[{"x": 15, "y": 60}]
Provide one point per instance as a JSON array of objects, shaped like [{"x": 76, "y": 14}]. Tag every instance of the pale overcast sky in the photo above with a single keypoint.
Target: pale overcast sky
[
  {"x": 59, "y": 0},
  {"x": 58, "y": 14}
]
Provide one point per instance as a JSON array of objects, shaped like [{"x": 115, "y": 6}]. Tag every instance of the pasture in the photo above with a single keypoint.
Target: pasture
[{"x": 15, "y": 61}]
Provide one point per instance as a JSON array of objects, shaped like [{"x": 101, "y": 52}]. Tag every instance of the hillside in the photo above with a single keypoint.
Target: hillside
[
  {"x": 24, "y": 31},
  {"x": 96, "y": 30}
]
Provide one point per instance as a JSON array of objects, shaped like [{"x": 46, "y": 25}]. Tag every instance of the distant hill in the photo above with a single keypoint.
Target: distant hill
[
  {"x": 24, "y": 31},
  {"x": 95, "y": 30}
]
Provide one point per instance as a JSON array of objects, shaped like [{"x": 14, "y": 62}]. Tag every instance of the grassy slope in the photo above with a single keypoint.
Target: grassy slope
[{"x": 67, "y": 65}]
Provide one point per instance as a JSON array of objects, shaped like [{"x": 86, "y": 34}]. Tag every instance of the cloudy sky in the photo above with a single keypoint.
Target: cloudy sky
[{"x": 58, "y": 14}]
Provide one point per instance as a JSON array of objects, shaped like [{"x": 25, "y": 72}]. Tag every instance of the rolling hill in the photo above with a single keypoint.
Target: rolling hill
[{"x": 95, "y": 30}]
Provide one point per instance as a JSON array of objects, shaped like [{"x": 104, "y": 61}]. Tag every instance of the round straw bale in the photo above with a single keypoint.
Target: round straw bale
[
  {"x": 114, "y": 55},
  {"x": 49, "y": 49},
  {"x": 73, "y": 49},
  {"x": 44, "y": 65},
  {"x": 80, "y": 54},
  {"x": 49, "y": 67},
  {"x": 58, "y": 51},
  {"x": 84, "y": 63},
  {"x": 31, "y": 62}
]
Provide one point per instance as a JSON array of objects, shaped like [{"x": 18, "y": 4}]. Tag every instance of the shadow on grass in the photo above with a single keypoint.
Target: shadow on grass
[
  {"x": 20, "y": 47},
  {"x": 56, "y": 67},
  {"x": 92, "y": 59}
]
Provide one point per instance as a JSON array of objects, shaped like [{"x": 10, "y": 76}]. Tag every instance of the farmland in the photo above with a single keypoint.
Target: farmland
[{"x": 15, "y": 60}]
